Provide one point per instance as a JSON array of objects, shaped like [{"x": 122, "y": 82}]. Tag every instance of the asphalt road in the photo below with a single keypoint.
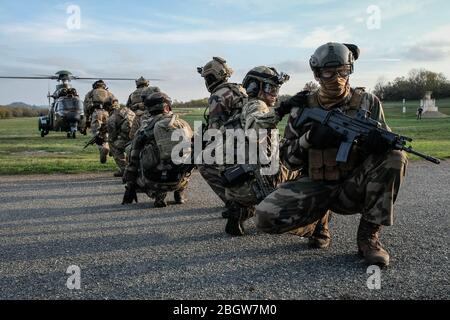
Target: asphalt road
[{"x": 48, "y": 223}]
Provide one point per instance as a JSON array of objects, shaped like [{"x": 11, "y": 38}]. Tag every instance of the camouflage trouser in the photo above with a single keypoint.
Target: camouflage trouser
[
  {"x": 211, "y": 173},
  {"x": 154, "y": 188},
  {"x": 244, "y": 194},
  {"x": 99, "y": 127},
  {"x": 118, "y": 153},
  {"x": 371, "y": 191}
]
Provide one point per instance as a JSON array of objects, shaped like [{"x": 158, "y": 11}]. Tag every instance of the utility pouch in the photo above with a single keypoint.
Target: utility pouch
[
  {"x": 315, "y": 163},
  {"x": 331, "y": 168},
  {"x": 237, "y": 175}
]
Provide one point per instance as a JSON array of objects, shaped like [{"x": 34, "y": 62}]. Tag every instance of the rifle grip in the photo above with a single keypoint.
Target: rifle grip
[{"x": 344, "y": 152}]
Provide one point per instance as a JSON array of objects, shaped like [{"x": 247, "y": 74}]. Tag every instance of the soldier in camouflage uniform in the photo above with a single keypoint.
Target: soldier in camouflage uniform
[
  {"x": 262, "y": 85},
  {"x": 89, "y": 104},
  {"x": 119, "y": 124},
  {"x": 98, "y": 103},
  {"x": 368, "y": 183},
  {"x": 226, "y": 101},
  {"x": 176, "y": 179},
  {"x": 136, "y": 103}
]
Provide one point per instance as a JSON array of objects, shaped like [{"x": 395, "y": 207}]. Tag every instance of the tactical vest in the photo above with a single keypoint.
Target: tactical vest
[{"x": 322, "y": 164}]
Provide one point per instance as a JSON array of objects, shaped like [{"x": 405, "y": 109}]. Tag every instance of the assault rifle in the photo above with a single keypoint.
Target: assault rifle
[
  {"x": 355, "y": 129},
  {"x": 91, "y": 142}
]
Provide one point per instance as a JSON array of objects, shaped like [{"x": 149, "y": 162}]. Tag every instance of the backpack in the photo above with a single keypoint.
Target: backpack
[
  {"x": 100, "y": 95},
  {"x": 163, "y": 135}
]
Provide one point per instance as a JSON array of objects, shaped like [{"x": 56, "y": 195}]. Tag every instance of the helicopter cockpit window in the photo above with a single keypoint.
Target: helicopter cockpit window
[{"x": 69, "y": 105}]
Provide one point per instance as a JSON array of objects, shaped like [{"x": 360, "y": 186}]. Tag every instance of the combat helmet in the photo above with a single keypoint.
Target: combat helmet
[
  {"x": 264, "y": 78},
  {"x": 334, "y": 55},
  {"x": 99, "y": 84},
  {"x": 215, "y": 72},
  {"x": 142, "y": 82},
  {"x": 156, "y": 102}
]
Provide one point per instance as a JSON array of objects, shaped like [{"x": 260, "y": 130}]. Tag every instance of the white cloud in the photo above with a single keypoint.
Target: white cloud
[
  {"x": 391, "y": 9},
  {"x": 431, "y": 46},
  {"x": 43, "y": 33},
  {"x": 323, "y": 35}
]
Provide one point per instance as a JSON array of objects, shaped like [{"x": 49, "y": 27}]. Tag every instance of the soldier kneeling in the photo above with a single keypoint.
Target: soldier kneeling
[
  {"x": 368, "y": 183},
  {"x": 151, "y": 169}
]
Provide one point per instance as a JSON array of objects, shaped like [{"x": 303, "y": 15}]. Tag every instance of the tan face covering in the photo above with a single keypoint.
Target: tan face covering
[{"x": 333, "y": 91}]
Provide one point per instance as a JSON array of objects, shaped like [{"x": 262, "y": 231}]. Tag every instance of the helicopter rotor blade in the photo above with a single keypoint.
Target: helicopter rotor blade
[
  {"x": 111, "y": 79},
  {"x": 31, "y": 78}
]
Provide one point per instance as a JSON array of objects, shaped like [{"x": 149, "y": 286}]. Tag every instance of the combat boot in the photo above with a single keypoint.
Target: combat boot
[
  {"x": 235, "y": 223},
  {"x": 321, "y": 238},
  {"x": 369, "y": 245},
  {"x": 160, "y": 200},
  {"x": 180, "y": 197},
  {"x": 228, "y": 209}
]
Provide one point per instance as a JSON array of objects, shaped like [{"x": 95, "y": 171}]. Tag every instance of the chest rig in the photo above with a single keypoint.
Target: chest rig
[{"x": 322, "y": 164}]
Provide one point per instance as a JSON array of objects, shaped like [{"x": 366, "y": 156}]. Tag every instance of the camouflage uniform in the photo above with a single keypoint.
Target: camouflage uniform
[
  {"x": 151, "y": 169},
  {"x": 99, "y": 118},
  {"x": 136, "y": 104},
  {"x": 119, "y": 124},
  {"x": 257, "y": 115},
  {"x": 150, "y": 183},
  {"x": 225, "y": 102},
  {"x": 367, "y": 185},
  {"x": 90, "y": 104}
]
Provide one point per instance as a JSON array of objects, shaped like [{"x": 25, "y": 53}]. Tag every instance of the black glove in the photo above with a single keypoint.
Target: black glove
[
  {"x": 375, "y": 144},
  {"x": 130, "y": 194},
  {"x": 285, "y": 107},
  {"x": 99, "y": 141},
  {"x": 323, "y": 137}
]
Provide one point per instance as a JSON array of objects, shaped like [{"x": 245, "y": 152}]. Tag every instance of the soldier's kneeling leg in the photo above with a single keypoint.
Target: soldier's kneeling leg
[
  {"x": 373, "y": 189},
  {"x": 160, "y": 200},
  {"x": 293, "y": 205},
  {"x": 212, "y": 176}
]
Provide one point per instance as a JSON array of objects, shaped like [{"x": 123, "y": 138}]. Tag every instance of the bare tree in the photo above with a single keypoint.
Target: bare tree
[{"x": 311, "y": 86}]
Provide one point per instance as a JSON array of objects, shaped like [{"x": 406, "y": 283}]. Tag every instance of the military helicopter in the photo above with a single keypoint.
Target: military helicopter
[{"x": 66, "y": 111}]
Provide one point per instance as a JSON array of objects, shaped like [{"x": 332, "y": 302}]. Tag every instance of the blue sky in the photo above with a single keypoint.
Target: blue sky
[{"x": 168, "y": 40}]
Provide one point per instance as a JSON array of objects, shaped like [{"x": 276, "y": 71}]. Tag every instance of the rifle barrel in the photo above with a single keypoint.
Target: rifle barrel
[{"x": 424, "y": 156}]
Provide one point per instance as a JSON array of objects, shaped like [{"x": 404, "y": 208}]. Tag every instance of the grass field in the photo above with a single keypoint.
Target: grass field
[{"x": 23, "y": 151}]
